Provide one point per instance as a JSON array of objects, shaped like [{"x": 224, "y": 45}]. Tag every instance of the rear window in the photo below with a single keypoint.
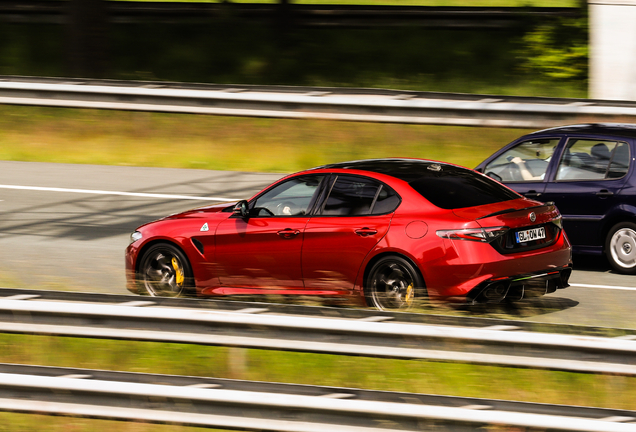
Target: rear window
[{"x": 451, "y": 187}]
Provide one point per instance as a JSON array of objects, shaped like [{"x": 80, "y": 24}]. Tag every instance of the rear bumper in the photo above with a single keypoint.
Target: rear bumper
[
  {"x": 518, "y": 287},
  {"x": 467, "y": 267}
]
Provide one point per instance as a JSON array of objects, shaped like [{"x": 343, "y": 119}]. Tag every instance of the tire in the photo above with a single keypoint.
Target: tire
[
  {"x": 164, "y": 271},
  {"x": 620, "y": 247},
  {"x": 394, "y": 284}
]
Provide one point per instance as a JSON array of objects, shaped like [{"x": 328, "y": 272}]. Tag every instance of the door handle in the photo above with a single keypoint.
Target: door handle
[
  {"x": 365, "y": 232},
  {"x": 604, "y": 193},
  {"x": 532, "y": 194},
  {"x": 288, "y": 233}
]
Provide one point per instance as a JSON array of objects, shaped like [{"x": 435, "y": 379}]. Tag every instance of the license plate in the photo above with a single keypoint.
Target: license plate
[{"x": 530, "y": 235}]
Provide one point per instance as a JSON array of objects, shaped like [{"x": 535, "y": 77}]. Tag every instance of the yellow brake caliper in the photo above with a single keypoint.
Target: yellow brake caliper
[
  {"x": 409, "y": 294},
  {"x": 178, "y": 270}
]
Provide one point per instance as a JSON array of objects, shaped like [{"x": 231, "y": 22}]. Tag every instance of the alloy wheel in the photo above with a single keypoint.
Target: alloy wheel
[{"x": 163, "y": 272}]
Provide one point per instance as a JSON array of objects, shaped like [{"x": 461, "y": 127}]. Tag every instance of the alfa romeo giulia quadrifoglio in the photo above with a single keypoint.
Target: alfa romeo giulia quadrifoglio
[{"x": 380, "y": 233}]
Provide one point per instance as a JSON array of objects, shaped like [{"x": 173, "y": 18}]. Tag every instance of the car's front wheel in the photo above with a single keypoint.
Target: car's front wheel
[
  {"x": 164, "y": 271},
  {"x": 620, "y": 247},
  {"x": 393, "y": 284}
]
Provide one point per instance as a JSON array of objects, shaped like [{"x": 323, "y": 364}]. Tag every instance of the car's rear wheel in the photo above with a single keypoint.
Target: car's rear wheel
[
  {"x": 164, "y": 271},
  {"x": 620, "y": 247},
  {"x": 393, "y": 284}
]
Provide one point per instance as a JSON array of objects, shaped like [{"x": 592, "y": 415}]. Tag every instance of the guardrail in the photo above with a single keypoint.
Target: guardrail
[
  {"x": 328, "y": 103},
  {"x": 279, "y": 309},
  {"x": 256, "y": 328},
  {"x": 246, "y": 405}
]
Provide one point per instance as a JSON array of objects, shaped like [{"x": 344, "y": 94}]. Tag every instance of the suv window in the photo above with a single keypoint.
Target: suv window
[
  {"x": 585, "y": 159},
  {"x": 527, "y": 161},
  {"x": 290, "y": 198},
  {"x": 619, "y": 164},
  {"x": 358, "y": 196}
]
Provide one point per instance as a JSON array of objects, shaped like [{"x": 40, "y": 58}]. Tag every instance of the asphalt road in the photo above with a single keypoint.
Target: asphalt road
[{"x": 65, "y": 227}]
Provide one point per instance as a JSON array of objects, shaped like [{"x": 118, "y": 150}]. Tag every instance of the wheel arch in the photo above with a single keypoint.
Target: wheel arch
[
  {"x": 189, "y": 289},
  {"x": 617, "y": 216},
  {"x": 151, "y": 243},
  {"x": 621, "y": 255},
  {"x": 378, "y": 257}
]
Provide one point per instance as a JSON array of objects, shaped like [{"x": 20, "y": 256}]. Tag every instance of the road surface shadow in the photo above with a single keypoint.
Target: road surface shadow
[
  {"x": 521, "y": 309},
  {"x": 88, "y": 217},
  {"x": 591, "y": 263}
]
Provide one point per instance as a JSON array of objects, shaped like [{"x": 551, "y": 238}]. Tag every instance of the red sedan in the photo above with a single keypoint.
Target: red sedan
[{"x": 379, "y": 232}]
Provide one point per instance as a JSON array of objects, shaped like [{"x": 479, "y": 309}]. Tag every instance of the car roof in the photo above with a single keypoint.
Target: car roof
[
  {"x": 615, "y": 129},
  {"x": 402, "y": 168}
]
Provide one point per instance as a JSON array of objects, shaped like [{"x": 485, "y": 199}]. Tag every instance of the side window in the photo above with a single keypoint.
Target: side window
[
  {"x": 291, "y": 198},
  {"x": 620, "y": 161},
  {"x": 386, "y": 201},
  {"x": 585, "y": 159},
  {"x": 356, "y": 196},
  {"x": 527, "y": 161}
]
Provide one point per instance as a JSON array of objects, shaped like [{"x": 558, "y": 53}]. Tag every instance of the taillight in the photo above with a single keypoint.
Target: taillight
[
  {"x": 485, "y": 235},
  {"x": 558, "y": 221}
]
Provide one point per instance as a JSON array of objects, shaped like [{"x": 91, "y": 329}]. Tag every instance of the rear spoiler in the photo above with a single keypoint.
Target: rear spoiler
[{"x": 512, "y": 210}]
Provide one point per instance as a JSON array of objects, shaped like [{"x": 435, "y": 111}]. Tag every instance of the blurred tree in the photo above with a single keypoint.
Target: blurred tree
[
  {"x": 558, "y": 48},
  {"x": 86, "y": 38},
  {"x": 283, "y": 22}
]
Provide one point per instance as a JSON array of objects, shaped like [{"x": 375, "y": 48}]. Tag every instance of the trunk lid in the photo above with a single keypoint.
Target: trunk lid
[{"x": 529, "y": 224}]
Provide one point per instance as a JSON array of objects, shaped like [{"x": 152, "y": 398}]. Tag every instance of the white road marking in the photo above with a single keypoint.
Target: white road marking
[
  {"x": 603, "y": 287},
  {"x": 102, "y": 192}
]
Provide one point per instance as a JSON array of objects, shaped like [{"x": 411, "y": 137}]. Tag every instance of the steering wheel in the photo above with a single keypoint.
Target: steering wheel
[{"x": 513, "y": 172}]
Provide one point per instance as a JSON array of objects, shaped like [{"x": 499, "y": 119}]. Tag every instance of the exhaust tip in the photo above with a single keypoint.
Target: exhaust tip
[{"x": 494, "y": 292}]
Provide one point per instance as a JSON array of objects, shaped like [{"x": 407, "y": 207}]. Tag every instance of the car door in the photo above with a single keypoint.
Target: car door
[
  {"x": 264, "y": 250},
  {"x": 525, "y": 166},
  {"x": 587, "y": 184},
  {"x": 352, "y": 219}
]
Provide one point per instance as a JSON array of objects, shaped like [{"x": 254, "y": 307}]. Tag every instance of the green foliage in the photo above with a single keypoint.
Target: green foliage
[
  {"x": 557, "y": 49},
  {"x": 234, "y": 51}
]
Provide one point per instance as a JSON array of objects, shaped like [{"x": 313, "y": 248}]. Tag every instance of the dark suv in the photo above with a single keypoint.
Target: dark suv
[{"x": 588, "y": 171}]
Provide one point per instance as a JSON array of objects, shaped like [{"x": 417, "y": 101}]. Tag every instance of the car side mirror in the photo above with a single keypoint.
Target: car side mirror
[
  {"x": 492, "y": 175},
  {"x": 241, "y": 209}
]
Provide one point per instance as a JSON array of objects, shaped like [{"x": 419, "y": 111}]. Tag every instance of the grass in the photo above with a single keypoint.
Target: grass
[
  {"x": 12, "y": 422},
  {"x": 227, "y": 143}
]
